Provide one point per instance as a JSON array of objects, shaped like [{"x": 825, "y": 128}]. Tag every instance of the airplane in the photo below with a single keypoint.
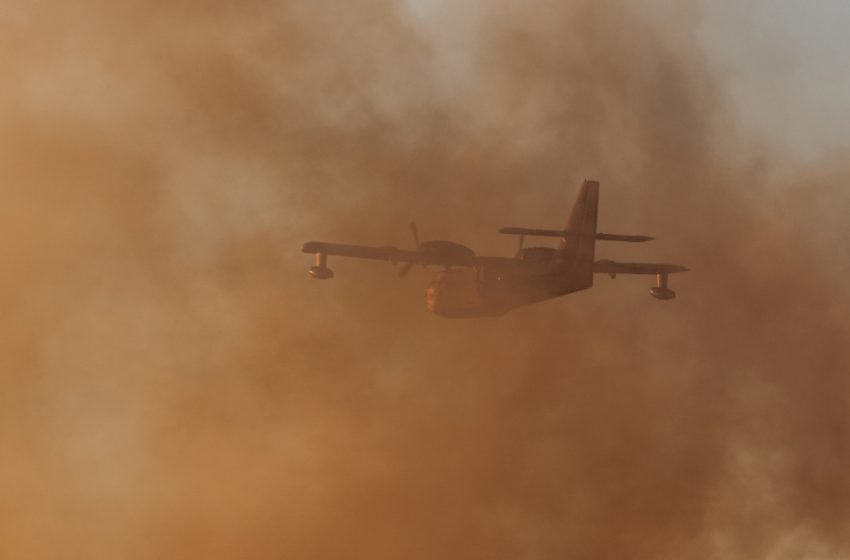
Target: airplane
[{"x": 472, "y": 285}]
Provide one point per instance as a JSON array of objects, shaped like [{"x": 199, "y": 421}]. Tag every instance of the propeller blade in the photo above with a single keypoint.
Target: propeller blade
[
  {"x": 415, "y": 231},
  {"x": 405, "y": 269}
]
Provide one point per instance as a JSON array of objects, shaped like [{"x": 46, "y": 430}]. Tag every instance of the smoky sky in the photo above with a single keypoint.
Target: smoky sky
[{"x": 174, "y": 385}]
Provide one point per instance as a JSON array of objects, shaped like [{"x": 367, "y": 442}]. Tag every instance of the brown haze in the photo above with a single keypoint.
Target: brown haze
[{"x": 173, "y": 385}]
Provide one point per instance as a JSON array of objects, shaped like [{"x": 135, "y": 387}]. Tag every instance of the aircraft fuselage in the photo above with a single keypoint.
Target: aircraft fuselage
[
  {"x": 483, "y": 292},
  {"x": 472, "y": 285}
]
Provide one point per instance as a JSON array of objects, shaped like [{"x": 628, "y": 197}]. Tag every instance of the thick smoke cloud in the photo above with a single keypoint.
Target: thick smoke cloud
[{"x": 175, "y": 386}]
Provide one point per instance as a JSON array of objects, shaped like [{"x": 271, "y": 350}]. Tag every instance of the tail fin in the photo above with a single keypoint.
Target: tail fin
[{"x": 582, "y": 225}]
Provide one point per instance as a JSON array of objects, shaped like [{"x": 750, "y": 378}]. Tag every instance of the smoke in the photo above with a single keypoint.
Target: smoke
[{"x": 174, "y": 385}]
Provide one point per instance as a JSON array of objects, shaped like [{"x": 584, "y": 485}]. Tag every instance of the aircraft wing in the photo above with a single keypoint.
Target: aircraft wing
[
  {"x": 611, "y": 267},
  {"x": 361, "y": 251},
  {"x": 447, "y": 255},
  {"x": 499, "y": 262}
]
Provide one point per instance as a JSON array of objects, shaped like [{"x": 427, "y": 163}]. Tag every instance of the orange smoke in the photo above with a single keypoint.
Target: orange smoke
[{"x": 174, "y": 385}]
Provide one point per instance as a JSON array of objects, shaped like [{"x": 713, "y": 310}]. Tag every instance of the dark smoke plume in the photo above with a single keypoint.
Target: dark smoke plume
[{"x": 174, "y": 386}]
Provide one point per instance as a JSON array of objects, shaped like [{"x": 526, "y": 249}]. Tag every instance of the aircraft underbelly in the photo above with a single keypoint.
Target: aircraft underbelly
[
  {"x": 464, "y": 294},
  {"x": 457, "y": 294}
]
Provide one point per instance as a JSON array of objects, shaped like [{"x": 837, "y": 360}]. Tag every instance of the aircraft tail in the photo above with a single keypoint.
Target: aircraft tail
[{"x": 579, "y": 246}]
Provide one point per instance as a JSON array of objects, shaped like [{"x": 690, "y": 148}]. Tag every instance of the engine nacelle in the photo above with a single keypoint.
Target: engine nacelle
[
  {"x": 446, "y": 251},
  {"x": 538, "y": 254},
  {"x": 662, "y": 293}
]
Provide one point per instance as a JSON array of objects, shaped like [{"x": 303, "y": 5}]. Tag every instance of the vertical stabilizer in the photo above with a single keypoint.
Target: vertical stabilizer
[{"x": 579, "y": 243}]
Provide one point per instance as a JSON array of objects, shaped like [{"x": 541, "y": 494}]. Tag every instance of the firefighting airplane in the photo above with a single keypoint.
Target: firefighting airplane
[{"x": 477, "y": 286}]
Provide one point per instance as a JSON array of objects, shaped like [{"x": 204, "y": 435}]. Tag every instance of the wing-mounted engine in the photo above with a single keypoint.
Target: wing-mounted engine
[
  {"x": 441, "y": 251},
  {"x": 536, "y": 254},
  {"x": 438, "y": 252}
]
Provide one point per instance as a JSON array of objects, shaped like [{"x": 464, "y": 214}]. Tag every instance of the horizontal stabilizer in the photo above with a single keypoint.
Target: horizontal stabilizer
[
  {"x": 563, "y": 234},
  {"x": 619, "y": 237}
]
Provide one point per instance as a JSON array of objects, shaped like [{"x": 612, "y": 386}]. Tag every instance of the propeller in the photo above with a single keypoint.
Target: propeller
[
  {"x": 415, "y": 231},
  {"x": 406, "y": 268}
]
